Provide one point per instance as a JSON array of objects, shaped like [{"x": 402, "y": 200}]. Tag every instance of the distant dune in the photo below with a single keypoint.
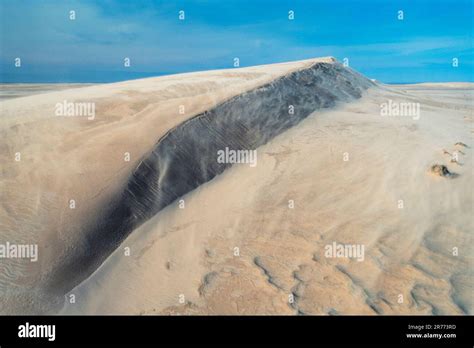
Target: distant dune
[{"x": 157, "y": 225}]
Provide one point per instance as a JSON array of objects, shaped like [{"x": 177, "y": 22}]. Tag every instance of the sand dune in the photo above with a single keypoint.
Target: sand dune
[
  {"x": 17, "y": 90},
  {"x": 171, "y": 231}
]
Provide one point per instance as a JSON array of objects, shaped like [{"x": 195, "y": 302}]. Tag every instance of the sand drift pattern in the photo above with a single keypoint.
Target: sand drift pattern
[{"x": 186, "y": 157}]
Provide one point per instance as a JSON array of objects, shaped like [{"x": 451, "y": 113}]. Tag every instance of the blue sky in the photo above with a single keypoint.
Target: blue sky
[{"x": 92, "y": 47}]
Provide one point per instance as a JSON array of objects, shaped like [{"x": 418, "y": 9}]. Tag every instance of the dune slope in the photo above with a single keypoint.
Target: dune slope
[
  {"x": 172, "y": 230},
  {"x": 253, "y": 239},
  {"x": 49, "y": 161}
]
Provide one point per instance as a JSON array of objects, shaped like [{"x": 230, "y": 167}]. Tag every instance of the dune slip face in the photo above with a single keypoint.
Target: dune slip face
[
  {"x": 49, "y": 160},
  {"x": 325, "y": 223},
  {"x": 187, "y": 156}
]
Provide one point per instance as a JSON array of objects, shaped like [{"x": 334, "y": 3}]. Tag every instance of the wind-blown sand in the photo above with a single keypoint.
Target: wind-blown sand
[{"x": 184, "y": 260}]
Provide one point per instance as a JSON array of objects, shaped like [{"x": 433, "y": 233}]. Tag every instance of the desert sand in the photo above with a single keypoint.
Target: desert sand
[
  {"x": 250, "y": 240},
  {"x": 16, "y": 90}
]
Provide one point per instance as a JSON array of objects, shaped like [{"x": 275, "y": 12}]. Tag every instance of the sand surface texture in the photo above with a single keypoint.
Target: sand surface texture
[{"x": 241, "y": 239}]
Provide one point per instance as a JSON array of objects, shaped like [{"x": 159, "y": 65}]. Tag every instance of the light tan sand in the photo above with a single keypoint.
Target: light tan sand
[
  {"x": 185, "y": 261},
  {"x": 74, "y": 158},
  {"x": 17, "y": 90}
]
